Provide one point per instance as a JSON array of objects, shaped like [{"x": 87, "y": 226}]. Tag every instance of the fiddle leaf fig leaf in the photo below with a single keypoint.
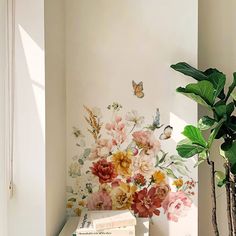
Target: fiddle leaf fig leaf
[
  {"x": 218, "y": 80},
  {"x": 194, "y": 97},
  {"x": 206, "y": 122},
  {"x": 204, "y": 89},
  {"x": 233, "y": 94},
  {"x": 194, "y": 135},
  {"x": 188, "y": 70},
  {"x": 187, "y": 149},
  {"x": 220, "y": 110},
  {"x": 230, "y": 108},
  {"x": 230, "y": 155}
]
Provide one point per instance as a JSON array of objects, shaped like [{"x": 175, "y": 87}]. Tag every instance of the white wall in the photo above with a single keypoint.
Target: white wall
[
  {"x": 55, "y": 116},
  {"x": 217, "y": 49},
  {"x": 27, "y": 208},
  {"x": 3, "y": 74},
  {"x": 111, "y": 43}
]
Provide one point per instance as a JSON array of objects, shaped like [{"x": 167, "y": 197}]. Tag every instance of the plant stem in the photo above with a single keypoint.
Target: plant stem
[
  {"x": 233, "y": 198},
  {"x": 228, "y": 198},
  {"x": 213, "y": 197}
]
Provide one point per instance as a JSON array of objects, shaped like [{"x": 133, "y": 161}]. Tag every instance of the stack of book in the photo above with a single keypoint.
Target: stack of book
[{"x": 112, "y": 223}]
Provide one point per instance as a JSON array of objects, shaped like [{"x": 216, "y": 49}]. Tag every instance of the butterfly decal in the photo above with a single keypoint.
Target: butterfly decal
[
  {"x": 166, "y": 133},
  {"x": 138, "y": 89}
]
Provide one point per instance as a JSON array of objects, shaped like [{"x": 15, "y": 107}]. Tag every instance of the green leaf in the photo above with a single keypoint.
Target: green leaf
[
  {"x": 233, "y": 94},
  {"x": 215, "y": 131},
  {"x": 194, "y": 134},
  {"x": 72, "y": 199},
  {"x": 202, "y": 156},
  {"x": 218, "y": 80},
  {"x": 230, "y": 108},
  {"x": 170, "y": 173},
  {"x": 188, "y": 70},
  {"x": 220, "y": 178},
  {"x": 220, "y": 110},
  {"x": 86, "y": 152},
  {"x": 206, "y": 123},
  {"x": 182, "y": 170},
  {"x": 231, "y": 87},
  {"x": 204, "y": 89},
  {"x": 230, "y": 154},
  {"x": 186, "y": 149},
  {"x": 232, "y": 123},
  {"x": 163, "y": 157},
  {"x": 194, "y": 97}
]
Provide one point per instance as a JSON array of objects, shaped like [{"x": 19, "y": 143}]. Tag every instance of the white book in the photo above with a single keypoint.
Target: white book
[
  {"x": 112, "y": 219},
  {"x": 85, "y": 227}
]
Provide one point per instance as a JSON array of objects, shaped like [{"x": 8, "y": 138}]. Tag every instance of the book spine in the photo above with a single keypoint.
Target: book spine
[
  {"x": 122, "y": 232},
  {"x": 115, "y": 224}
]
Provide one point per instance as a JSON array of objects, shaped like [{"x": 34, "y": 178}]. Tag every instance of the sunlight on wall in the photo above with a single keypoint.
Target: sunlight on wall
[
  {"x": 36, "y": 69},
  {"x": 179, "y": 124}
]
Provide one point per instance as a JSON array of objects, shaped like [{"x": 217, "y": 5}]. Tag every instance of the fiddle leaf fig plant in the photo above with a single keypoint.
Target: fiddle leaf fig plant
[{"x": 210, "y": 91}]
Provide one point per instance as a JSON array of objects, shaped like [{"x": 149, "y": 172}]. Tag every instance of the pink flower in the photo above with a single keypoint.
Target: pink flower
[
  {"x": 104, "y": 170},
  {"x": 144, "y": 164},
  {"x": 117, "y": 130},
  {"x": 102, "y": 149},
  {"x": 175, "y": 205},
  {"x": 99, "y": 201},
  {"x": 146, "y": 140},
  {"x": 146, "y": 202}
]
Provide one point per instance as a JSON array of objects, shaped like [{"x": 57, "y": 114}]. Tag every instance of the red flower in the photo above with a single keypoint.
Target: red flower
[
  {"x": 139, "y": 179},
  {"x": 104, "y": 170},
  {"x": 146, "y": 202}
]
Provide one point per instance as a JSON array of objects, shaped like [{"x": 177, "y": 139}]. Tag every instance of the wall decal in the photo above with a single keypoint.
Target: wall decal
[
  {"x": 124, "y": 166},
  {"x": 138, "y": 89}
]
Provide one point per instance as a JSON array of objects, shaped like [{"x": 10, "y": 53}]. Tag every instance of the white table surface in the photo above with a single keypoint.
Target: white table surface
[{"x": 141, "y": 229}]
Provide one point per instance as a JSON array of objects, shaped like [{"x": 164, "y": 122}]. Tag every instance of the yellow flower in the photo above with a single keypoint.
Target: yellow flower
[
  {"x": 122, "y": 162},
  {"x": 159, "y": 177},
  {"x": 122, "y": 196},
  {"x": 81, "y": 203},
  {"x": 69, "y": 205},
  {"x": 178, "y": 183},
  {"x": 77, "y": 211}
]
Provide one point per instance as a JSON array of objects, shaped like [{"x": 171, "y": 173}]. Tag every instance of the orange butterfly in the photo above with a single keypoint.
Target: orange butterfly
[{"x": 138, "y": 89}]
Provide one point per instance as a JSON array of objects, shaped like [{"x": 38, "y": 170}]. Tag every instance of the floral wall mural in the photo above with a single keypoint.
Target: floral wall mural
[
  {"x": 125, "y": 167},
  {"x": 124, "y": 117}
]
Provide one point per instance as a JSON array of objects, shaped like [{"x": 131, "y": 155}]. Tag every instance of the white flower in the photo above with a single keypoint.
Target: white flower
[
  {"x": 74, "y": 169},
  {"x": 133, "y": 118},
  {"x": 144, "y": 164}
]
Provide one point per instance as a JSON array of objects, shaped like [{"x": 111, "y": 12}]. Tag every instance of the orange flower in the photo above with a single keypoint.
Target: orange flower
[
  {"x": 178, "y": 183},
  {"x": 122, "y": 162},
  {"x": 159, "y": 177}
]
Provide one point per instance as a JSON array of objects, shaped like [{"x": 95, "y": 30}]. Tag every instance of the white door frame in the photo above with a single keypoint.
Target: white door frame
[
  {"x": 6, "y": 109},
  {"x": 3, "y": 80}
]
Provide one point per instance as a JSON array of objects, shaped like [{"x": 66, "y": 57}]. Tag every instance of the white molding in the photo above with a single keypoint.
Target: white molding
[{"x": 3, "y": 118}]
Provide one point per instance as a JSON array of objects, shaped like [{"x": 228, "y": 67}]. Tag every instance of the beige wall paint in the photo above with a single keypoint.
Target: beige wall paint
[
  {"x": 110, "y": 43},
  {"x": 217, "y": 49},
  {"x": 26, "y": 212},
  {"x": 55, "y": 116}
]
